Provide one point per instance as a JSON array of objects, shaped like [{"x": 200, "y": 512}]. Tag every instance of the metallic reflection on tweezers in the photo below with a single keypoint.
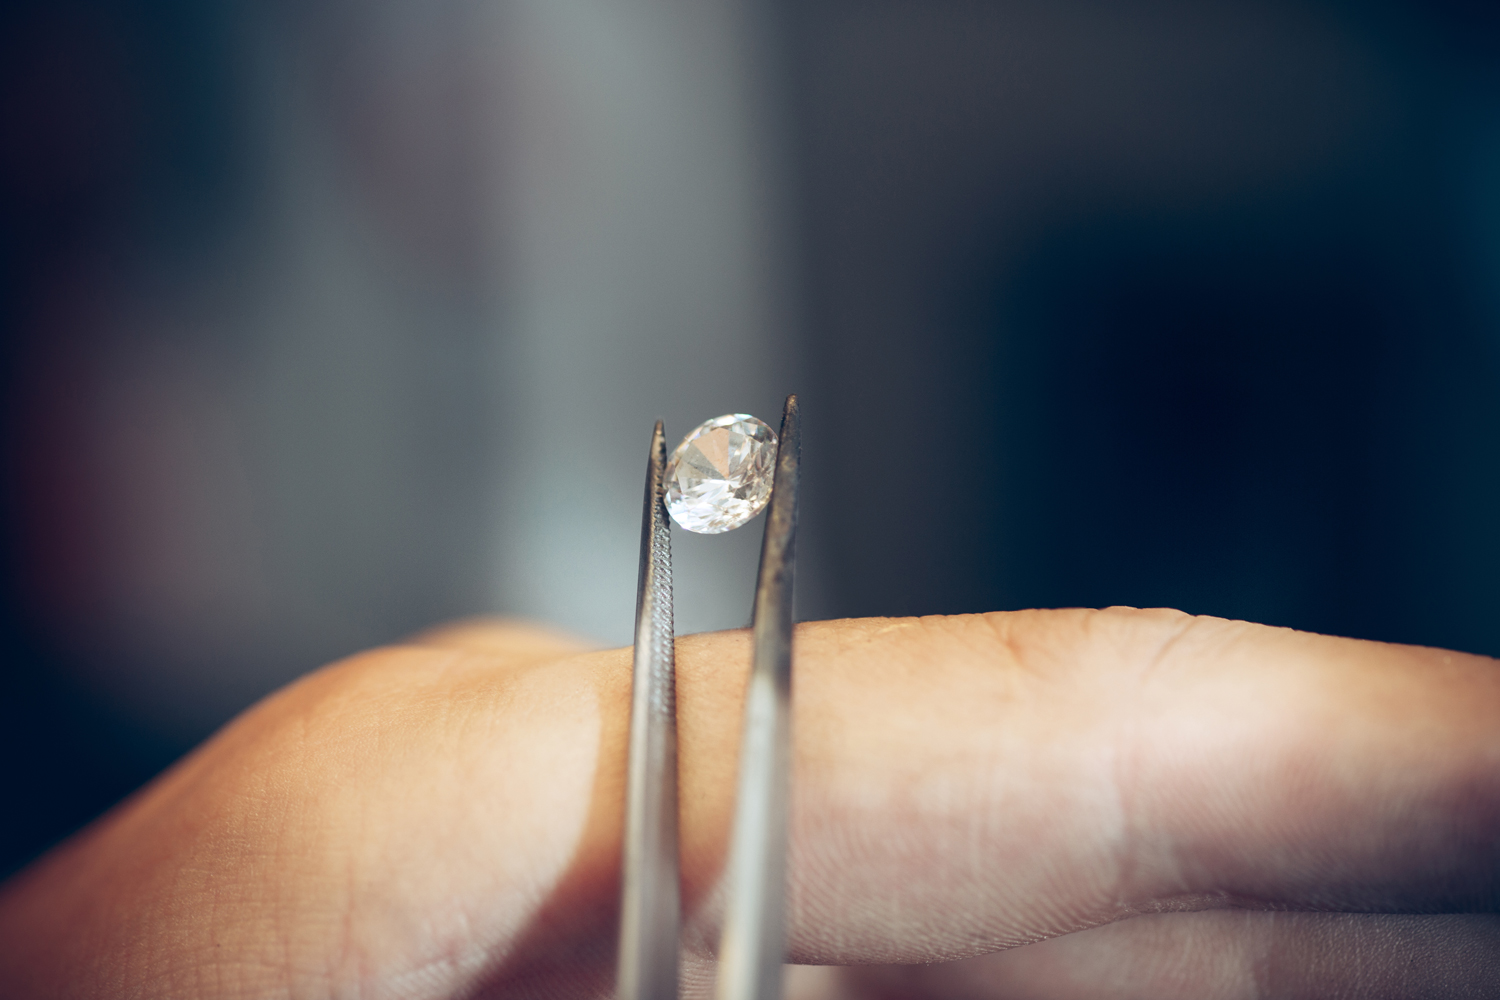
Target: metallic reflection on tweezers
[
  {"x": 753, "y": 946},
  {"x": 650, "y": 906}
]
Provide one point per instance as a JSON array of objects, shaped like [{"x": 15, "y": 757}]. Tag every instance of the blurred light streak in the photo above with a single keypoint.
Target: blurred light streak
[{"x": 643, "y": 247}]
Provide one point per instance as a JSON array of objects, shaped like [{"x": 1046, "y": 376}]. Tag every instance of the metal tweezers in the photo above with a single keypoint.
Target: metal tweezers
[{"x": 753, "y": 944}]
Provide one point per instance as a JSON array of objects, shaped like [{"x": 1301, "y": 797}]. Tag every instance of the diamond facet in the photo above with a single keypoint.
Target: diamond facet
[{"x": 721, "y": 475}]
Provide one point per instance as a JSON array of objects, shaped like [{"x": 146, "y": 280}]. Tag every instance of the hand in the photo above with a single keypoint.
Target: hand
[{"x": 1182, "y": 807}]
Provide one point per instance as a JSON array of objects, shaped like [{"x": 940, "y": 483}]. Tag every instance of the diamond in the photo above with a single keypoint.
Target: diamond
[{"x": 720, "y": 476}]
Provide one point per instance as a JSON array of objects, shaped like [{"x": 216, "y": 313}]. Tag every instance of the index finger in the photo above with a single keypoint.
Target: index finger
[
  {"x": 967, "y": 784},
  {"x": 445, "y": 818}
]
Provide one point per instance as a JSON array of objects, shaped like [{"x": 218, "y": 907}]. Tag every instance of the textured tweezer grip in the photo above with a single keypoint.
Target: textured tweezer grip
[{"x": 650, "y": 906}]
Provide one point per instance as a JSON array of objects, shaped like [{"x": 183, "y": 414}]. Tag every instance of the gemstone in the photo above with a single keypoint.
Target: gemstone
[{"x": 720, "y": 476}]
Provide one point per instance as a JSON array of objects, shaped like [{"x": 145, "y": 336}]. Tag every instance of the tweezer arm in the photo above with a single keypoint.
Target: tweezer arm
[
  {"x": 753, "y": 945},
  {"x": 650, "y": 910}
]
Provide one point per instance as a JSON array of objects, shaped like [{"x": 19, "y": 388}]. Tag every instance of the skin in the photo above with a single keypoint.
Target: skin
[{"x": 1039, "y": 804}]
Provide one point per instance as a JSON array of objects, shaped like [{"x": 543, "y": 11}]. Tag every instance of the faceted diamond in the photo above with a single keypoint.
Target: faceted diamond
[{"x": 720, "y": 476}]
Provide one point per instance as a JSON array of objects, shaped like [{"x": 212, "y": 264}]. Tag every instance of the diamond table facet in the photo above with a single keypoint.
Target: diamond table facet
[{"x": 720, "y": 476}]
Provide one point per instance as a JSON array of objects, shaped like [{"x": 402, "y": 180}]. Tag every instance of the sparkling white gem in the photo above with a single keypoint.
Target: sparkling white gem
[{"x": 720, "y": 476}]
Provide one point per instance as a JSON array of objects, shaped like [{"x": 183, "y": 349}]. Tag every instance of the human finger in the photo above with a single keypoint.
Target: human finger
[
  {"x": 439, "y": 819},
  {"x": 967, "y": 784},
  {"x": 398, "y": 824}
]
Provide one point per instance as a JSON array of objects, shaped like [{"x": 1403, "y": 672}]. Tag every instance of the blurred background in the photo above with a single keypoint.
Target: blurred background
[{"x": 325, "y": 322}]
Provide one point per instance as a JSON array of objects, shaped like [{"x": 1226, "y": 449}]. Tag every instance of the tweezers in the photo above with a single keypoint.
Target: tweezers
[{"x": 753, "y": 941}]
